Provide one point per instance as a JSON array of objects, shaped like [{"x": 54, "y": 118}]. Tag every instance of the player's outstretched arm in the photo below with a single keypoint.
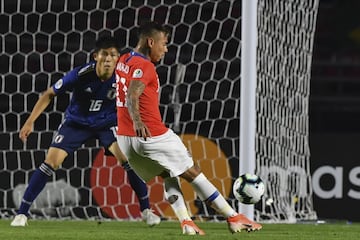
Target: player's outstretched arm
[{"x": 39, "y": 107}]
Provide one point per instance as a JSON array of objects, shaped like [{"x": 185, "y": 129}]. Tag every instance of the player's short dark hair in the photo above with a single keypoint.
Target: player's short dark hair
[
  {"x": 148, "y": 28},
  {"x": 106, "y": 42}
]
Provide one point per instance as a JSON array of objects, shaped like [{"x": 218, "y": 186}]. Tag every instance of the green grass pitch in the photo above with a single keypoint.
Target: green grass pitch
[{"x": 109, "y": 230}]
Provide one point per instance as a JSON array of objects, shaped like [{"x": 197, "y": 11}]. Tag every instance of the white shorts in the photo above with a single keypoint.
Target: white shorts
[{"x": 157, "y": 154}]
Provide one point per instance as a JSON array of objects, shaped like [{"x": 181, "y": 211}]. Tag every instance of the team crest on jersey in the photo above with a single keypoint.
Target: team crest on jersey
[
  {"x": 138, "y": 73},
  {"x": 59, "y": 84}
]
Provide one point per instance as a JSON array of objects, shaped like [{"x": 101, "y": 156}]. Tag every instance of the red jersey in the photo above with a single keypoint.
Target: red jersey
[{"x": 135, "y": 66}]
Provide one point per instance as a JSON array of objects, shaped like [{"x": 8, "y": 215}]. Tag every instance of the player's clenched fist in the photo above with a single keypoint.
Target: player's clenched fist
[{"x": 25, "y": 131}]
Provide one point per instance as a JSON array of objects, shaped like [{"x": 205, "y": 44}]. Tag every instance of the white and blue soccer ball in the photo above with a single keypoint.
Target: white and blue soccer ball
[{"x": 248, "y": 188}]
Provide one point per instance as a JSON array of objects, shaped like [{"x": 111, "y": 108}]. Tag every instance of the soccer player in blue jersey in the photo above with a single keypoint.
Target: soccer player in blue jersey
[{"x": 90, "y": 114}]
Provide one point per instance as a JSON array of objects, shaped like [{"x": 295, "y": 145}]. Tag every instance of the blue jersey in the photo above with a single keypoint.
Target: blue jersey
[{"x": 93, "y": 101}]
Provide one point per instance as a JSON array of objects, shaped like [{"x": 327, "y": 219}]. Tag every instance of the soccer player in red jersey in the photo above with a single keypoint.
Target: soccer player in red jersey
[{"x": 151, "y": 147}]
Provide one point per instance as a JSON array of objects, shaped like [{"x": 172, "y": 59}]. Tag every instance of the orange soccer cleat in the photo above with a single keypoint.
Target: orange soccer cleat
[{"x": 239, "y": 222}]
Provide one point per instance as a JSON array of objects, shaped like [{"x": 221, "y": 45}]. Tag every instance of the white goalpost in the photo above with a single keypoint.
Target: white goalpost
[{"x": 248, "y": 94}]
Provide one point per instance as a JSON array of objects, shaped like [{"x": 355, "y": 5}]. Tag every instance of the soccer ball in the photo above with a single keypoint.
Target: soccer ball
[{"x": 248, "y": 188}]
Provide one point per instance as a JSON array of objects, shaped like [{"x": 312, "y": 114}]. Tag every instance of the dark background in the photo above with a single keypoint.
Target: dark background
[
  {"x": 335, "y": 84},
  {"x": 334, "y": 105}
]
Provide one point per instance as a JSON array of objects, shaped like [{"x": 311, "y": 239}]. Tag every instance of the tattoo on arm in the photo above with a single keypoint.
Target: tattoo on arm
[{"x": 135, "y": 89}]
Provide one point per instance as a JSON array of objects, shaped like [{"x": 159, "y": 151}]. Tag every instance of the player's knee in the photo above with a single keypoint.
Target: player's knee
[
  {"x": 55, "y": 157},
  {"x": 53, "y": 164},
  {"x": 190, "y": 174}
]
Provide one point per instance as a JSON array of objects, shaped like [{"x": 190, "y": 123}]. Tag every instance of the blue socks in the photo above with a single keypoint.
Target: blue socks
[
  {"x": 37, "y": 183},
  {"x": 39, "y": 179},
  {"x": 139, "y": 187}
]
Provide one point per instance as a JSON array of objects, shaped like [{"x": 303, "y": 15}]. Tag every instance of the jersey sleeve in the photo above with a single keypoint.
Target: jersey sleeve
[{"x": 141, "y": 72}]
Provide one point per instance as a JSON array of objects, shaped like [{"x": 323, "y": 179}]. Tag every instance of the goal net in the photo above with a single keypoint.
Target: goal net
[
  {"x": 285, "y": 43},
  {"x": 200, "y": 99}
]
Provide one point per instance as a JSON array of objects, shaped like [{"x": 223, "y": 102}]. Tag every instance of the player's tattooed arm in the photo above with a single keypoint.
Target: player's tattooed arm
[{"x": 135, "y": 90}]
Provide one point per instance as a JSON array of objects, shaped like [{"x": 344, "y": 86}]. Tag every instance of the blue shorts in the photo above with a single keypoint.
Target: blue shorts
[{"x": 70, "y": 136}]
